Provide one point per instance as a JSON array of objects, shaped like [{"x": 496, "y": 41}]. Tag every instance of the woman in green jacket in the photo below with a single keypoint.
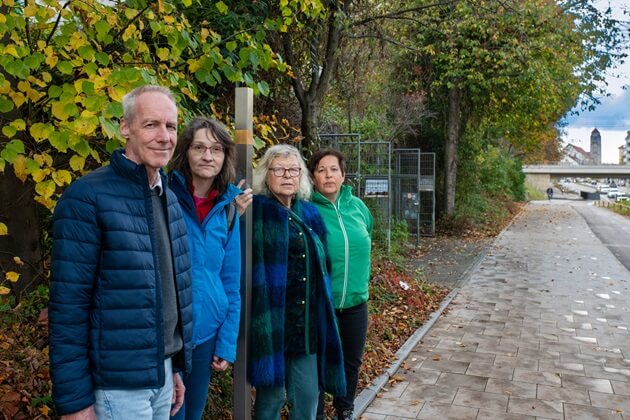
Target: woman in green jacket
[{"x": 349, "y": 227}]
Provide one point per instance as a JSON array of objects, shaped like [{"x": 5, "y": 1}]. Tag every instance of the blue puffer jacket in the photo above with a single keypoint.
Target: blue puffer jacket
[
  {"x": 216, "y": 268},
  {"x": 105, "y": 309}
]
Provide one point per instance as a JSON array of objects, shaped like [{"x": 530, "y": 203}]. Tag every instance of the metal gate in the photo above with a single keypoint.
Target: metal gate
[
  {"x": 368, "y": 170},
  {"x": 414, "y": 190}
]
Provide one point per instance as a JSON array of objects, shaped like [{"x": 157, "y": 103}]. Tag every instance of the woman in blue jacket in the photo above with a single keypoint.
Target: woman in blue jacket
[{"x": 202, "y": 176}]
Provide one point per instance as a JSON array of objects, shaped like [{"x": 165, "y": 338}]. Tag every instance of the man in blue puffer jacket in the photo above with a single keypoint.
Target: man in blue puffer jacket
[{"x": 120, "y": 300}]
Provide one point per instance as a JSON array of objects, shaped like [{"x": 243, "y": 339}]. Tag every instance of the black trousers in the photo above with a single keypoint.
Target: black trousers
[{"x": 353, "y": 324}]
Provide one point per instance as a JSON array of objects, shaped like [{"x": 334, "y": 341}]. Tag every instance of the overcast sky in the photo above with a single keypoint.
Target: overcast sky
[{"x": 612, "y": 116}]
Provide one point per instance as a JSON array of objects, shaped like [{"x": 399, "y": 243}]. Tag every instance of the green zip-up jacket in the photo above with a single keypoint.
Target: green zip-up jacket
[{"x": 349, "y": 226}]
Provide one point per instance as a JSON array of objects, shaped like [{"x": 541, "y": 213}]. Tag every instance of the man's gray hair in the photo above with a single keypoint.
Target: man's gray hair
[
  {"x": 305, "y": 188},
  {"x": 129, "y": 100}
]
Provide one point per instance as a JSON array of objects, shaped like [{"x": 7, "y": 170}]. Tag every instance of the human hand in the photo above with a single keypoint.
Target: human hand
[
  {"x": 85, "y": 414},
  {"x": 244, "y": 199},
  {"x": 178, "y": 393},
  {"x": 219, "y": 364}
]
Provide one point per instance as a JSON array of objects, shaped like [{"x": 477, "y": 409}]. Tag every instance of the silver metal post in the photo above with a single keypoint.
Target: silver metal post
[{"x": 244, "y": 134}]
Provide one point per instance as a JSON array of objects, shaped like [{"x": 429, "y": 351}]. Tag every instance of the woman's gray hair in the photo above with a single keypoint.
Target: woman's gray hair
[
  {"x": 129, "y": 100},
  {"x": 260, "y": 171}
]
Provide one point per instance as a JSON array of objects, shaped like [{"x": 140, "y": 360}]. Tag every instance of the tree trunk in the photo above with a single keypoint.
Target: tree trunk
[
  {"x": 19, "y": 212},
  {"x": 454, "y": 130},
  {"x": 309, "y": 123}
]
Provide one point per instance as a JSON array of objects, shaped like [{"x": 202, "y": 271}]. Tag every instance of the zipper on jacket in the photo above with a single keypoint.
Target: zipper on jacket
[{"x": 346, "y": 256}]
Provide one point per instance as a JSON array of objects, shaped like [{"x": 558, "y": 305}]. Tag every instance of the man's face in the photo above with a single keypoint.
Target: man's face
[{"x": 152, "y": 133}]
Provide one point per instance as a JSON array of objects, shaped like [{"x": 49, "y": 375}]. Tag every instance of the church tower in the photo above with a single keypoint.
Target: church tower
[{"x": 596, "y": 147}]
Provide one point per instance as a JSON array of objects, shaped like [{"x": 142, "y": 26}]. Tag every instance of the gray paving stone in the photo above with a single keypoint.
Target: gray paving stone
[
  {"x": 619, "y": 403},
  {"x": 434, "y": 393},
  {"x": 393, "y": 407},
  {"x": 454, "y": 380},
  {"x": 445, "y": 365},
  {"x": 565, "y": 395},
  {"x": 581, "y": 412},
  {"x": 477, "y": 399},
  {"x": 535, "y": 407},
  {"x": 490, "y": 370},
  {"x": 591, "y": 384},
  {"x": 432, "y": 411},
  {"x": 537, "y": 377},
  {"x": 511, "y": 388},
  {"x": 621, "y": 387},
  {"x": 490, "y": 415}
]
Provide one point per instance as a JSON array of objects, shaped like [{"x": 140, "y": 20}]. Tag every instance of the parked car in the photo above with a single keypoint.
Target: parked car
[
  {"x": 603, "y": 189},
  {"x": 613, "y": 192},
  {"x": 622, "y": 197}
]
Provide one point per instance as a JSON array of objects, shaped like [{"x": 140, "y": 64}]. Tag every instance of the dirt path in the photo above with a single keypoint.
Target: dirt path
[{"x": 444, "y": 259}]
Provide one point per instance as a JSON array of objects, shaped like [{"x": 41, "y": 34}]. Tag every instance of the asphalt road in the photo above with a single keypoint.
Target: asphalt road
[{"x": 612, "y": 229}]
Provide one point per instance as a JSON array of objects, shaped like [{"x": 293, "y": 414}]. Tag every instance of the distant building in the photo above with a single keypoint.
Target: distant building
[
  {"x": 622, "y": 153},
  {"x": 626, "y": 155},
  {"x": 575, "y": 155},
  {"x": 596, "y": 147}
]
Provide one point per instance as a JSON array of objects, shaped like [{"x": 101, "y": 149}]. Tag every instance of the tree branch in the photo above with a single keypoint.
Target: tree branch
[{"x": 397, "y": 13}]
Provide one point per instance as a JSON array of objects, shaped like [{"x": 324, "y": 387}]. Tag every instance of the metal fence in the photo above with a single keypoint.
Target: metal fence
[
  {"x": 368, "y": 170},
  {"x": 414, "y": 190},
  {"x": 399, "y": 182}
]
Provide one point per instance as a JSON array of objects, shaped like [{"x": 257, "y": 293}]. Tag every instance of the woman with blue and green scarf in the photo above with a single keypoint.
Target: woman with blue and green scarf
[{"x": 295, "y": 346}]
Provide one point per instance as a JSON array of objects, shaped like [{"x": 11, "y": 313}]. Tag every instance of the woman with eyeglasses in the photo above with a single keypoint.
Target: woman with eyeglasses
[
  {"x": 203, "y": 170},
  {"x": 295, "y": 347}
]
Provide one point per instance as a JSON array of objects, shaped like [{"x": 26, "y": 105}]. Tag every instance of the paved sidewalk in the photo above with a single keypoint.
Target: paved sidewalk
[{"x": 540, "y": 330}]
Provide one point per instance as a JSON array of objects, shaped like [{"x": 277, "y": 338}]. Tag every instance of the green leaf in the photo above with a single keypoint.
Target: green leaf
[
  {"x": 263, "y": 87},
  {"x": 221, "y": 7},
  {"x": 6, "y": 104},
  {"x": 86, "y": 52},
  {"x": 77, "y": 163},
  {"x": 9, "y": 131},
  {"x": 102, "y": 58},
  {"x": 59, "y": 140},
  {"x": 55, "y": 91},
  {"x": 110, "y": 129},
  {"x": 41, "y": 131},
  {"x": 65, "y": 67},
  {"x": 231, "y": 46}
]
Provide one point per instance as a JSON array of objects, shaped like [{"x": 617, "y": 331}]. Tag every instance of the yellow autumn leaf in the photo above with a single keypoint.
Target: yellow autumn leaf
[
  {"x": 204, "y": 34},
  {"x": 4, "y": 290},
  {"x": 62, "y": 177},
  {"x": 18, "y": 98},
  {"x": 43, "y": 159},
  {"x": 45, "y": 188},
  {"x": 19, "y": 168},
  {"x": 10, "y": 49},
  {"x": 51, "y": 59},
  {"x": 116, "y": 93},
  {"x": 12, "y": 276},
  {"x": 30, "y": 10},
  {"x": 58, "y": 111},
  {"x": 39, "y": 175},
  {"x": 77, "y": 162},
  {"x": 163, "y": 54},
  {"x": 46, "y": 202},
  {"x": 23, "y": 85},
  {"x": 4, "y": 230},
  {"x": 194, "y": 65},
  {"x": 129, "y": 32},
  {"x": 18, "y": 260}
]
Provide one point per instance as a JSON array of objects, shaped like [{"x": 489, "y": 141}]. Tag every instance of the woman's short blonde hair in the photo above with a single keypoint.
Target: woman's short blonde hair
[{"x": 305, "y": 188}]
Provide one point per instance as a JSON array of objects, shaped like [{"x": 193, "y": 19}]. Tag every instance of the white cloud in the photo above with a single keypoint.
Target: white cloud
[{"x": 612, "y": 116}]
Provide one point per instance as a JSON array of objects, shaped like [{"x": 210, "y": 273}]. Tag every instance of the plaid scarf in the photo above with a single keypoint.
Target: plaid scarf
[{"x": 270, "y": 252}]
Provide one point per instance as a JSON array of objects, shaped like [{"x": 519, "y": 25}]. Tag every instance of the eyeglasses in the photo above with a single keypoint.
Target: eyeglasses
[
  {"x": 200, "y": 149},
  {"x": 278, "y": 171}
]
